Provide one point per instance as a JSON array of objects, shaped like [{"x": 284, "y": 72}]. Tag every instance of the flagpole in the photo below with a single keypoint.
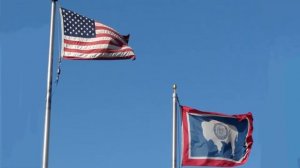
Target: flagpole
[
  {"x": 174, "y": 130},
  {"x": 49, "y": 89}
]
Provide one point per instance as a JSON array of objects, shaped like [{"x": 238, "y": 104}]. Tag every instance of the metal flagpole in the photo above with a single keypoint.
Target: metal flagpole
[
  {"x": 174, "y": 130},
  {"x": 49, "y": 89}
]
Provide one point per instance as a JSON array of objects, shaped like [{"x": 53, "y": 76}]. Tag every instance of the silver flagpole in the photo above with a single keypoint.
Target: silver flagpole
[
  {"x": 49, "y": 89},
  {"x": 174, "y": 138}
]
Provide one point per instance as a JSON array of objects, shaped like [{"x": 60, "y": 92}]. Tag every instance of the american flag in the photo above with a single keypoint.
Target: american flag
[{"x": 87, "y": 39}]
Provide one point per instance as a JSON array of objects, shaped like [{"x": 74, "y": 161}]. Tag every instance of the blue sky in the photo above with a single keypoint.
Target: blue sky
[{"x": 230, "y": 56}]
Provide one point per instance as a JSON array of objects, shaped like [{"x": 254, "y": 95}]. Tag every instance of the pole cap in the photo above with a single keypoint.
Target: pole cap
[{"x": 174, "y": 87}]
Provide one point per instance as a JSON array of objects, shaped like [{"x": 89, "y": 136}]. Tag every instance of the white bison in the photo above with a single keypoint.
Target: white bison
[{"x": 220, "y": 132}]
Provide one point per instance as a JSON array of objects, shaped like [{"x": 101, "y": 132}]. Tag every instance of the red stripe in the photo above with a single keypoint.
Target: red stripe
[
  {"x": 81, "y": 43},
  {"x": 96, "y": 50}
]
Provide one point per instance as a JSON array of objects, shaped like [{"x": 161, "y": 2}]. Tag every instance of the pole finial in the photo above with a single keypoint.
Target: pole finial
[{"x": 174, "y": 87}]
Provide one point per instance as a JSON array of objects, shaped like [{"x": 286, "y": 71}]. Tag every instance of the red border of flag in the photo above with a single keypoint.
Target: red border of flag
[{"x": 187, "y": 161}]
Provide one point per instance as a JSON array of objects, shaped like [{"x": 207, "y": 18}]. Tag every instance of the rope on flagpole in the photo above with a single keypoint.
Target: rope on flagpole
[
  {"x": 178, "y": 101},
  {"x": 178, "y": 137},
  {"x": 58, "y": 71}
]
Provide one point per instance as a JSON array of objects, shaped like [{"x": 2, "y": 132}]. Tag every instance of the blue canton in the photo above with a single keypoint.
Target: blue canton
[{"x": 77, "y": 25}]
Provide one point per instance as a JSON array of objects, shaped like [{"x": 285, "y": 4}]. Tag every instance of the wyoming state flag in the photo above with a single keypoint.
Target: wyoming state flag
[{"x": 215, "y": 139}]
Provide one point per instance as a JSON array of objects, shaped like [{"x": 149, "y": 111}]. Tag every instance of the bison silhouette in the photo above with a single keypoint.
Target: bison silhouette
[{"x": 219, "y": 133}]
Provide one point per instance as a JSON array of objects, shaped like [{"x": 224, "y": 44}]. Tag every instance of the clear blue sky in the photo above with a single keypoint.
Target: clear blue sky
[{"x": 230, "y": 56}]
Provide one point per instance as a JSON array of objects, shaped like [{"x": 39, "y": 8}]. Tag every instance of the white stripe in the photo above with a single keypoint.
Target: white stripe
[
  {"x": 81, "y": 39},
  {"x": 212, "y": 115},
  {"x": 99, "y": 55}
]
